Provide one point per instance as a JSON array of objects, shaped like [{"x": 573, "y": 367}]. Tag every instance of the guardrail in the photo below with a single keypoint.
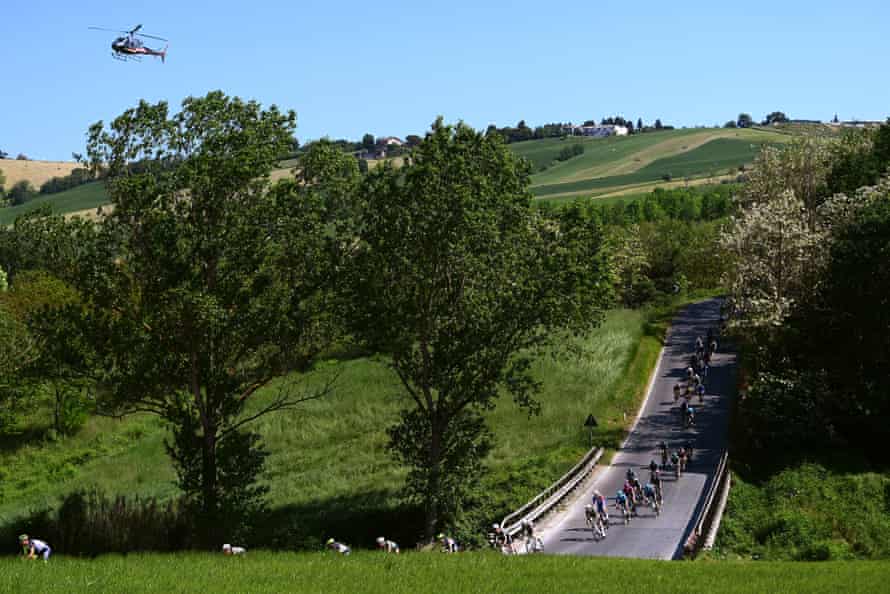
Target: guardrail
[
  {"x": 553, "y": 494},
  {"x": 706, "y": 515}
]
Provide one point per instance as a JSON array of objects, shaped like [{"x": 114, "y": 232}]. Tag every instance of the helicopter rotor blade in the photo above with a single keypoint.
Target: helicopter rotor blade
[
  {"x": 136, "y": 28},
  {"x": 104, "y": 29},
  {"x": 152, "y": 36}
]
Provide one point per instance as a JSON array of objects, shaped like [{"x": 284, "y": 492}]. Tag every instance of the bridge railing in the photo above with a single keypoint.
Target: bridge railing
[
  {"x": 552, "y": 495},
  {"x": 707, "y": 513}
]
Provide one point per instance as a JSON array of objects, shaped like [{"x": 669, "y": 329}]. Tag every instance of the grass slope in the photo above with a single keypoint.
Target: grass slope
[
  {"x": 610, "y": 164},
  {"x": 411, "y": 573},
  {"x": 329, "y": 470},
  {"x": 85, "y": 197},
  {"x": 711, "y": 158},
  {"x": 35, "y": 172}
]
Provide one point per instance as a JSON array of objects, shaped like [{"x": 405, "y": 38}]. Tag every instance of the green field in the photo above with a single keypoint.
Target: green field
[
  {"x": 712, "y": 158},
  {"x": 412, "y": 573},
  {"x": 87, "y": 196},
  {"x": 609, "y": 164},
  {"x": 328, "y": 470}
]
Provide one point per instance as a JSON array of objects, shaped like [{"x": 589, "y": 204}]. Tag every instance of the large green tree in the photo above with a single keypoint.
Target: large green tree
[
  {"x": 847, "y": 330},
  {"x": 459, "y": 279},
  {"x": 219, "y": 284}
]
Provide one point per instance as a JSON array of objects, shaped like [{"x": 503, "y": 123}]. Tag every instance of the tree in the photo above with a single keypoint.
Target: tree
[
  {"x": 658, "y": 124},
  {"x": 60, "y": 366},
  {"x": 20, "y": 193},
  {"x": 457, "y": 277},
  {"x": 801, "y": 167},
  {"x": 745, "y": 120},
  {"x": 3, "y": 154},
  {"x": 413, "y": 140},
  {"x": 776, "y": 117},
  {"x": 730, "y": 124},
  {"x": 368, "y": 142},
  {"x": 18, "y": 349},
  {"x": 218, "y": 287},
  {"x": 630, "y": 127},
  {"x": 850, "y": 323},
  {"x": 776, "y": 256},
  {"x": 22, "y": 157},
  {"x": 639, "y": 124},
  {"x": 2, "y": 183},
  {"x": 65, "y": 248}
]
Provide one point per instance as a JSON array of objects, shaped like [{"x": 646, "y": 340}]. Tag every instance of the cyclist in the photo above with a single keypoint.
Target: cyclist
[
  {"x": 712, "y": 347},
  {"x": 701, "y": 393},
  {"x": 675, "y": 462},
  {"x": 653, "y": 466},
  {"x": 338, "y": 547},
  {"x": 655, "y": 480},
  {"x": 622, "y": 504},
  {"x": 387, "y": 546},
  {"x": 677, "y": 391},
  {"x": 630, "y": 475},
  {"x": 699, "y": 345},
  {"x": 690, "y": 416},
  {"x": 682, "y": 455},
  {"x": 638, "y": 489},
  {"x": 33, "y": 548},
  {"x": 663, "y": 446},
  {"x": 533, "y": 543},
  {"x": 631, "y": 496},
  {"x": 689, "y": 450},
  {"x": 449, "y": 545},
  {"x": 651, "y": 497},
  {"x": 502, "y": 540},
  {"x": 602, "y": 511}
]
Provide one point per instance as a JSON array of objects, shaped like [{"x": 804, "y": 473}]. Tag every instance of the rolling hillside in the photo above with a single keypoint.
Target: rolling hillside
[
  {"x": 82, "y": 198},
  {"x": 35, "y": 172},
  {"x": 611, "y": 164}
]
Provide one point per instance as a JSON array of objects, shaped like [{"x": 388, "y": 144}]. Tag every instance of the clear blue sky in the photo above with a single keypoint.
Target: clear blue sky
[{"x": 391, "y": 67}]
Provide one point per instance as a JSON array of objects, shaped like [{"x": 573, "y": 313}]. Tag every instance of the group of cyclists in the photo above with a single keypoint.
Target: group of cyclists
[
  {"x": 696, "y": 374},
  {"x": 501, "y": 539},
  {"x": 635, "y": 494}
]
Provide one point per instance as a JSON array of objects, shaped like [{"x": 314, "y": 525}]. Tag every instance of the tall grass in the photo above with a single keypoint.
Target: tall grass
[{"x": 413, "y": 573}]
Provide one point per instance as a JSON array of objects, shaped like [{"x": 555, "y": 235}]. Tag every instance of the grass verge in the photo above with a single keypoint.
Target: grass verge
[{"x": 414, "y": 572}]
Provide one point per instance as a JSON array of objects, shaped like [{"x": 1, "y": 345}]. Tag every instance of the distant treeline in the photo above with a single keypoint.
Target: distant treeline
[
  {"x": 708, "y": 203},
  {"x": 522, "y": 132},
  {"x": 77, "y": 177}
]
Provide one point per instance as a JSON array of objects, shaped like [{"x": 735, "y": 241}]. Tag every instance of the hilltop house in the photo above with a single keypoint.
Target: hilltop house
[{"x": 601, "y": 131}]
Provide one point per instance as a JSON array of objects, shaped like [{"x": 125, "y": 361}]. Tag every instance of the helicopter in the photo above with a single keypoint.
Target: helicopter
[{"x": 131, "y": 47}]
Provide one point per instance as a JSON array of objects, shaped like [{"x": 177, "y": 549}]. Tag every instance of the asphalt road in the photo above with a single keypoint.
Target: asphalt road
[{"x": 648, "y": 536}]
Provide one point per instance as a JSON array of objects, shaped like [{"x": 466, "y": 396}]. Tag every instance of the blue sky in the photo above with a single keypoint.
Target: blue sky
[{"x": 390, "y": 68}]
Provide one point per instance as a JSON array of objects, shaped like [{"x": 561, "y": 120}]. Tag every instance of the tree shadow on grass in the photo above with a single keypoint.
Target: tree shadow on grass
[
  {"x": 356, "y": 520},
  {"x": 13, "y": 440}
]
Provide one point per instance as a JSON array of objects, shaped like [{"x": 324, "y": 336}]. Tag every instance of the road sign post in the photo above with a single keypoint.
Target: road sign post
[{"x": 590, "y": 423}]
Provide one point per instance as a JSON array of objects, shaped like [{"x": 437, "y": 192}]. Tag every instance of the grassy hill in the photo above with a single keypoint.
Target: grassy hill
[
  {"x": 329, "y": 471},
  {"x": 35, "y": 172},
  {"x": 82, "y": 198},
  {"x": 640, "y": 161}
]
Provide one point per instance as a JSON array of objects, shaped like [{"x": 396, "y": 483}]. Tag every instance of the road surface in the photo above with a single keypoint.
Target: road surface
[{"x": 647, "y": 536}]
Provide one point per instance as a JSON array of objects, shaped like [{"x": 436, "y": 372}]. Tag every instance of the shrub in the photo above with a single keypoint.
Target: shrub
[{"x": 89, "y": 523}]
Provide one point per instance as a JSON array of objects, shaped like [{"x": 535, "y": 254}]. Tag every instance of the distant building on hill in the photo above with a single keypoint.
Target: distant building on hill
[
  {"x": 601, "y": 131},
  {"x": 390, "y": 141}
]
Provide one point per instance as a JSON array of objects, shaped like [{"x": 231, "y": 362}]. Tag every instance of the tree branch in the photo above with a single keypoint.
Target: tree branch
[{"x": 283, "y": 401}]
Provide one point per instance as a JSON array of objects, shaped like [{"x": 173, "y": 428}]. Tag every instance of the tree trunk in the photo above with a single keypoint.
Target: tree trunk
[
  {"x": 432, "y": 496},
  {"x": 210, "y": 504}
]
